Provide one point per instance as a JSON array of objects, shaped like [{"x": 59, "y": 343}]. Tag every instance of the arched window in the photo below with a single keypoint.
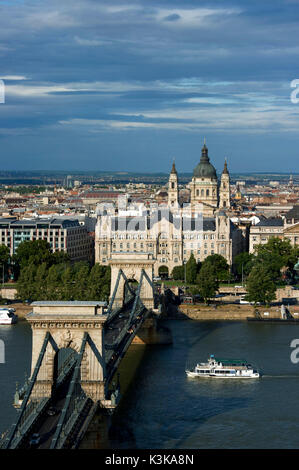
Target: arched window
[
  {"x": 208, "y": 192},
  {"x": 202, "y": 192}
]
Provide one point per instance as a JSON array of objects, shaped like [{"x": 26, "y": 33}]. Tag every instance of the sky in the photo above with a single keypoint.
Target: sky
[{"x": 125, "y": 85}]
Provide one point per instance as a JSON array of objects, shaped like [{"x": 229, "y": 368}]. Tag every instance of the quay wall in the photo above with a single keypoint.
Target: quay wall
[{"x": 229, "y": 312}]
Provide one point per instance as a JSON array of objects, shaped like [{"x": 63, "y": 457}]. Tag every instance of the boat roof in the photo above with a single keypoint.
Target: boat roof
[{"x": 230, "y": 361}]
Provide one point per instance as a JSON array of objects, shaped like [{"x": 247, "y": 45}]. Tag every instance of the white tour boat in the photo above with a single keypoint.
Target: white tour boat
[
  {"x": 7, "y": 316},
  {"x": 224, "y": 368}
]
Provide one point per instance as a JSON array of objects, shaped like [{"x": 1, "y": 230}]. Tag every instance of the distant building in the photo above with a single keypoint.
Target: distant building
[
  {"x": 284, "y": 228},
  {"x": 62, "y": 235},
  {"x": 171, "y": 232}
]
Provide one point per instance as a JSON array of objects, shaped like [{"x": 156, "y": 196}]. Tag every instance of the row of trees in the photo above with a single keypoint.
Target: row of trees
[
  {"x": 64, "y": 282},
  {"x": 46, "y": 275},
  {"x": 204, "y": 277},
  {"x": 270, "y": 266}
]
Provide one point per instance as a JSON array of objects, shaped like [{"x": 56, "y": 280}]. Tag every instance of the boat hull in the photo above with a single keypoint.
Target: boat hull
[
  {"x": 9, "y": 321},
  {"x": 215, "y": 376}
]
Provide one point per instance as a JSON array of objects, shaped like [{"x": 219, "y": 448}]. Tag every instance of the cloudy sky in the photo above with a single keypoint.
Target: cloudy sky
[{"x": 132, "y": 85}]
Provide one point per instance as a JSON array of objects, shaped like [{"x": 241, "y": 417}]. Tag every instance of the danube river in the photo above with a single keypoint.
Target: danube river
[{"x": 164, "y": 409}]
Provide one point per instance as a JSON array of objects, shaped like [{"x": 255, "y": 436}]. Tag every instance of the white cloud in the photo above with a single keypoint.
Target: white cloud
[
  {"x": 89, "y": 42},
  {"x": 13, "y": 77},
  {"x": 193, "y": 17}
]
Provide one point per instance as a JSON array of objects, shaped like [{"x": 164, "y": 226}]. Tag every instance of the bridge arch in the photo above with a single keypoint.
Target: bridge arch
[{"x": 132, "y": 266}]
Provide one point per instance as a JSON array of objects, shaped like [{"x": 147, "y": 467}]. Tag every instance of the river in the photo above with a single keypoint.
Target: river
[{"x": 164, "y": 409}]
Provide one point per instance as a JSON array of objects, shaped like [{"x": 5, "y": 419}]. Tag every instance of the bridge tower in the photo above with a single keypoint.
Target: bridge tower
[
  {"x": 132, "y": 265},
  {"x": 67, "y": 324}
]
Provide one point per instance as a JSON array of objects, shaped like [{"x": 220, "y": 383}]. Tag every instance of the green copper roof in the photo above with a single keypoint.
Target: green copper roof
[
  {"x": 204, "y": 169},
  {"x": 230, "y": 361}
]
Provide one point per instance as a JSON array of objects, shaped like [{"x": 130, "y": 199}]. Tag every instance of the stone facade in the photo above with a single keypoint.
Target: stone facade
[
  {"x": 276, "y": 227},
  {"x": 169, "y": 233}
]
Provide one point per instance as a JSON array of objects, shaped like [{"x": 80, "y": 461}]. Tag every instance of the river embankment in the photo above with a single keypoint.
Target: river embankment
[{"x": 230, "y": 312}]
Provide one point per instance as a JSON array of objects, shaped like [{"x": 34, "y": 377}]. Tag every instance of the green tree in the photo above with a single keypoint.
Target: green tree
[
  {"x": 178, "y": 273},
  {"x": 207, "y": 282},
  {"x": 243, "y": 262},
  {"x": 53, "y": 283},
  {"x": 276, "y": 254},
  {"x": 40, "y": 282},
  {"x": 81, "y": 272},
  {"x": 67, "y": 289},
  {"x": 59, "y": 257},
  {"x": 33, "y": 252},
  {"x": 219, "y": 266},
  {"x": 260, "y": 285},
  {"x": 26, "y": 283},
  {"x": 98, "y": 284},
  {"x": 191, "y": 270},
  {"x": 4, "y": 254}
]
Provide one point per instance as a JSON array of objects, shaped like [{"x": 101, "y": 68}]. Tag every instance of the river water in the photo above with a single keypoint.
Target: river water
[{"x": 164, "y": 409}]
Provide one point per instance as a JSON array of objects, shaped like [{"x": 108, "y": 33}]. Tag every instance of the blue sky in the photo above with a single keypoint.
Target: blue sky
[{"x": 132, "y": 85}]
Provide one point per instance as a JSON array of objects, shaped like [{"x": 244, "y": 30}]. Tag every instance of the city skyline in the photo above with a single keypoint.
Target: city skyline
[{"x": 116, "y": 86}]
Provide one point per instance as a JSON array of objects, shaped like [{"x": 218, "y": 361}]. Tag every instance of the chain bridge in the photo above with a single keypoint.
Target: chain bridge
[{"x": 76, "y": 350}]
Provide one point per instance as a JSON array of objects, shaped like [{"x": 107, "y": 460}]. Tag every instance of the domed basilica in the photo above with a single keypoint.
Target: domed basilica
[{"x": 205, "y": 189}]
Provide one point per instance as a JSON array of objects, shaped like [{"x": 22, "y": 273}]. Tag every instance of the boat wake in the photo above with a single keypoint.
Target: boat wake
[{"x": 285, "y": 376}]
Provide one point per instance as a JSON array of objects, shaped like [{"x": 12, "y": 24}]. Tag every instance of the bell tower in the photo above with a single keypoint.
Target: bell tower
[
  {"x": 224, "y": 193},
  {"x": 173, "y": 188}
]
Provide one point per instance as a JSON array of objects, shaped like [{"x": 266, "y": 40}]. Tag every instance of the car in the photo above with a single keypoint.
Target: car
[
  {"x": 52, "y": 411},
  {"x": 34, "y": 440}
]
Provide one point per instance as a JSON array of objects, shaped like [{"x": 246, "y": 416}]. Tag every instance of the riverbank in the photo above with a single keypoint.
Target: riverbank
[{"x": 227, "y": 312}]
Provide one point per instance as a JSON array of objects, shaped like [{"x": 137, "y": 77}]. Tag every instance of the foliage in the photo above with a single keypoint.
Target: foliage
[
  {"x": 33, "y": 252},
  {"x": 207, "y": 281},
  {"x": 4, "y": 254},
  {"x": 178, "y": 273},
  {"x": 244, "y": 260},
  {"x": 276, "y": 254},
  {"x": 260, "y": 285},
  {"x": 64, "y": 282},
  {"x": 218, "y": 265},
  {"x": 191, "y": 270}
]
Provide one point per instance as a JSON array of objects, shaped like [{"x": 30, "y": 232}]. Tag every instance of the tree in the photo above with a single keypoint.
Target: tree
[
  {"x": 243, "y": 263},
  {"x": 207, "y": 282},
  {"x": 191, "y": 270},
  {"x": 260, "y": 285},
  {"x": 276, "y": 254},
  {"x": 40, "y": 282},
  {"x": 4, "y": 254},
  {"x": 33, "y": 252},
  {"x": 81, "y": 272},
  {"x": 98, "y": 284},
  {"x": 26, "y": 283},
  {"x": 219, "y": 266},
  {"x": 53, "y": 282},
  {"x": 178, "y": 273}
]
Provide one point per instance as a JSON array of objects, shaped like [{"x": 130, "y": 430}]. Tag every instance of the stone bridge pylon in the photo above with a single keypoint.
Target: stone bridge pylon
[
  {"x": 132, "y": 265},
  {"x": 66, "y": 324}
]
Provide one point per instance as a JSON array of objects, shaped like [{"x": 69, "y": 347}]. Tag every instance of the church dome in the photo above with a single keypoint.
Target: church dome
[{"x": 204, "y": 169}]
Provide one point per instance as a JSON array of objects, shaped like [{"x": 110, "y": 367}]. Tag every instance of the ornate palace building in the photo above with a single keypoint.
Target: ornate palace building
[{"x": 169, "y": 233}]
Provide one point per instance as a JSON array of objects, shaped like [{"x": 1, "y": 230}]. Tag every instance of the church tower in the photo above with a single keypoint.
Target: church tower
[
  {"x": 173, "y": 188},
  {"x": 224, "y": 193},
  {"x": 204, "y": 185}
]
